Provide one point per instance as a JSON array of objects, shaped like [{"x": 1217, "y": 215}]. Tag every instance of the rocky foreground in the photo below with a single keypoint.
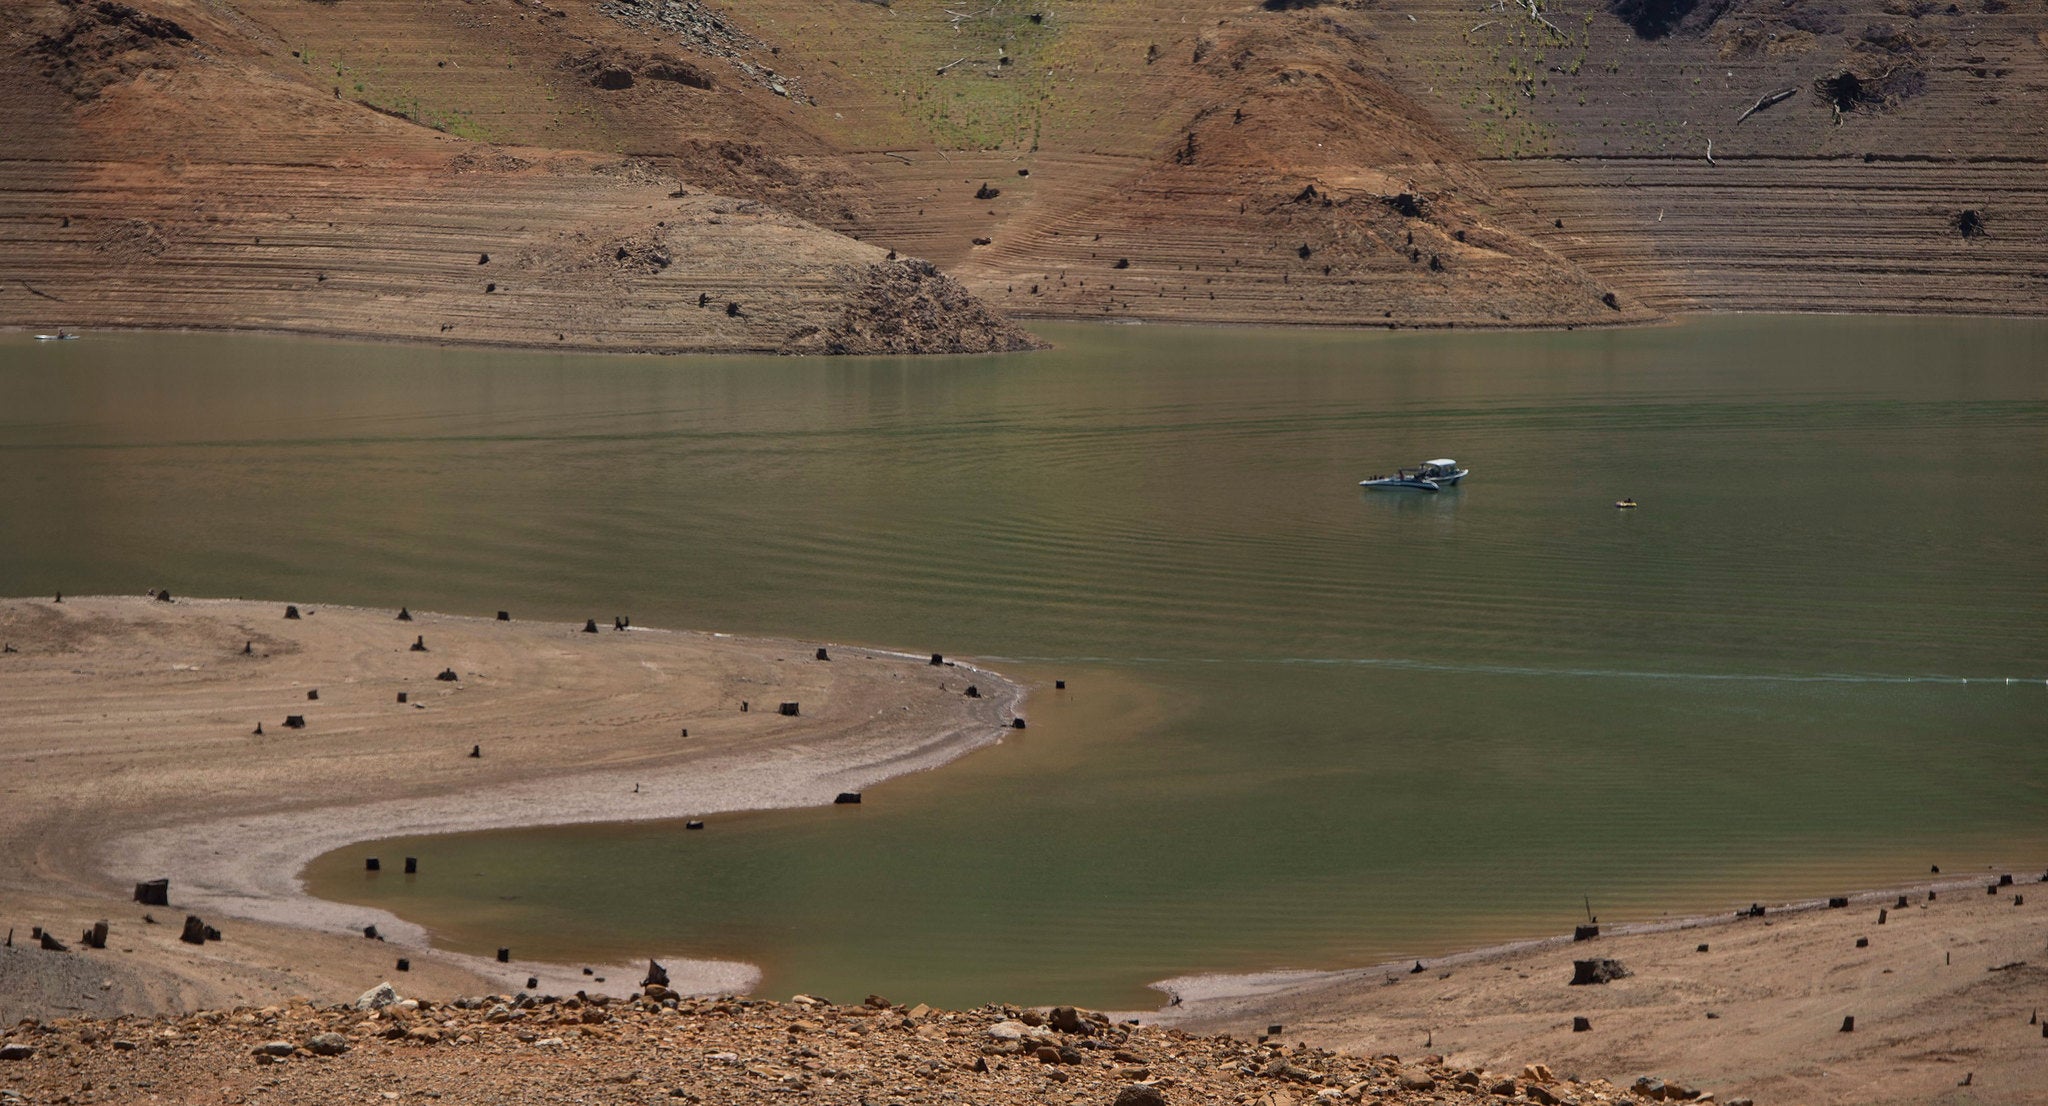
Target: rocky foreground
[{"x": 660, "y": 1047}]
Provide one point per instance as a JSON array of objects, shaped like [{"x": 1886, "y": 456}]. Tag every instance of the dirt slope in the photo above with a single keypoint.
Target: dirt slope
[
  {"x": 1362, "y": 162},
  {"x": 1806, "y": 204},
  {"x": 171, "y": 169}
]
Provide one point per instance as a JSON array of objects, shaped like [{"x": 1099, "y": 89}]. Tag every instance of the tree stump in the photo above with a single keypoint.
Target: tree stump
[
  {"x": 153, "y": 892},
  {"x": 291, "y": 612},
  {"x": 1598, "y": 970},
  {"x": 194, "y": 932}
]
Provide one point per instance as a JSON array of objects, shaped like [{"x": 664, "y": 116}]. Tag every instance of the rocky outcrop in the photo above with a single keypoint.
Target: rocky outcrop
[{"x": 909, "y": 306}]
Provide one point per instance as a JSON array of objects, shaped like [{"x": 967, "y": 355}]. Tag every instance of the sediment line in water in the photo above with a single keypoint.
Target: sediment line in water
[{"x": 1406, "y": 665}]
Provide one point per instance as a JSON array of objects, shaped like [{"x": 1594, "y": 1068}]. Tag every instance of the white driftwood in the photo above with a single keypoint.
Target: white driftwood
[{"x": 1764, "y": 101}]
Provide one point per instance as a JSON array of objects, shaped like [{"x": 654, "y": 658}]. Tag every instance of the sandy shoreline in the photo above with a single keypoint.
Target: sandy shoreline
[
  {"x": 132, "y": 756},
  {"x": 127, "y": 752},
  {"x": 1945, "y": 987}
]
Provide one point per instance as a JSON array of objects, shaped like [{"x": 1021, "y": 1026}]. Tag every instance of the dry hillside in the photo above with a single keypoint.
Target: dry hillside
[
  {"x": 195, "y": 165},
  {"x": 634, "y": 167}
]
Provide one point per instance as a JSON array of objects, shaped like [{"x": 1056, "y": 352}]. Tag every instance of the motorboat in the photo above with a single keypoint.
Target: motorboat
[
  {"x": 60, "y": 336},
  {"x": 1429, "y": 476},
  {"x": 1624, "y": 504}
]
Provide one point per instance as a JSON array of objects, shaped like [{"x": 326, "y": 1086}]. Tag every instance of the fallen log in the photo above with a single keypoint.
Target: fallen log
[{"x": 1766, "y": 100}]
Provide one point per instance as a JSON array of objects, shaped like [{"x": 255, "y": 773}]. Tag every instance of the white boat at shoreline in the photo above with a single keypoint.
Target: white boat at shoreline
[
  {"x": 1429, "y": 476},
  {"x": 60, "y": 336}
]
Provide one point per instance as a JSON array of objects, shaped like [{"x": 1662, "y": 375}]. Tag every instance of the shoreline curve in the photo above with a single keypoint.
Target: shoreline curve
[{"x": 161, "y": 671}]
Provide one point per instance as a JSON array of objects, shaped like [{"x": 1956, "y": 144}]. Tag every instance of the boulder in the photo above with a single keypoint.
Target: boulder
[
  {"x": 1597, "y": 970},
  {"x": 16, "y": 1052},
  {"x": 1411, "y": 1079},
  {"x": 1066, "y": 1019},
  {"x": 377, "y": 998},
  {"x": 327, "y": 1044},
  {"x": 1284, "y": 1068},
  {"x": 275, "y": 1048},
  {"x": 1018, "y": 1031},
  {"x": 1139, "y": 1094}
]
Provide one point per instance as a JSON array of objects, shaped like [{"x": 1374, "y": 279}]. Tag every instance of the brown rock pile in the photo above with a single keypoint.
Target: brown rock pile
[
  {"x": 660, "y": 1046},
  {"x": 909, "y": 306}
]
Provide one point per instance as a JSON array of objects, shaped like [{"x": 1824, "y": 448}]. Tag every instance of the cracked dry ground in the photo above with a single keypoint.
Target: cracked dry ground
[{"x": 659, "y": 1047}]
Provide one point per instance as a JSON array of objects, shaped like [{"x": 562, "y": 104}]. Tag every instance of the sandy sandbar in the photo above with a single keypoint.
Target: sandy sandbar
[{"x": 128, "y": 751}]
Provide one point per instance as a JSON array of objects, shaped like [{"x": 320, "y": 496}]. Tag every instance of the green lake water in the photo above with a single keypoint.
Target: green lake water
[{"x": 1306, "y": 726}]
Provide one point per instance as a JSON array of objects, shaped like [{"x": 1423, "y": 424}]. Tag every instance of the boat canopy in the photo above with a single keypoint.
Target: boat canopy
[{"x": 1441, "y": 463}]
